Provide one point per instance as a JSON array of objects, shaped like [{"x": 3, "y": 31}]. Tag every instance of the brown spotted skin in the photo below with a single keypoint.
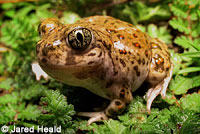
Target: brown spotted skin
[{"x": 117, "y": 61}]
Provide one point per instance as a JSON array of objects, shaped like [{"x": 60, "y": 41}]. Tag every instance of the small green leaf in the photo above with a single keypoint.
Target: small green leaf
[
  {"x": 10, "y": 13},
  {"x": 196, "y": 44},
  {"x": 6, "y": 84},
  {"x": 44, "y": 14},
  {"x": 170, "y": 99},
  {"x": 198, "y": 13},
  {"x": 152, "y": 12},
  {"x": 191, "y": 54},
  {"x": 193, "y": 2},
  {"x": 7, "y": 6},
  {"x": 44, "y": 6},
  {"x": 179, "y": 10},
  {"x": 195, "y": 29},
  {"x": 10, "y": 59},
  {"x": 193, "y": 13},
  {"x": 191, "y": 102},
  {"x": 59, "y": 110},
  {"x": 42, "y": 11},
  {"x": 189, "y": 70},
  {"x": 31, "y": 112},
  {"x": 164, "y": 35},
  {"x": 56, "y": 102},
  {"x": 34, "y": 90},
  {"x": 183, "y": 41},
  {"x": 9, "y": 98},
  {"x": 180, "y": 84},
  {"x": 153, "y": 30},
  {"x": 2, "y": 68},
  {"x": 161, "y": 33},
  {"x": 176, "y": 60},
  {"x": 24, "y": 11},
  {"x": 180, "y": 24},
  {"x": 135, "y": 11},
  {"x": 112, "y": 127},
  {"x": 7, "y": 113}
]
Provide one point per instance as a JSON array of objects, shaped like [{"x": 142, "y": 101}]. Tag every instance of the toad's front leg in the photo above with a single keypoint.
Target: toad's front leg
[{"x": 116, "y": 106}]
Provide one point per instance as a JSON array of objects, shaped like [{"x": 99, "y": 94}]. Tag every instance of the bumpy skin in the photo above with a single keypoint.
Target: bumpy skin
[{"x": 115, "y": 61}]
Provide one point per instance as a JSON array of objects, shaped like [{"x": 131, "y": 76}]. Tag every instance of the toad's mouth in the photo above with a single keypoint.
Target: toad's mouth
[
  {"x": 78, "y": 66},
  {"x": 55, "y": 65},
  {"x": 58, "y": 66}
]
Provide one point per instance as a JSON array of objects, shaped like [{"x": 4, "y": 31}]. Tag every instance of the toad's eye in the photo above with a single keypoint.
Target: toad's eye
[{"x": 79, "y": 38}]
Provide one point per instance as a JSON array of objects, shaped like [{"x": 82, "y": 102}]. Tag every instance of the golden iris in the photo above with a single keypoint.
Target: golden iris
[{"x": 79, "y": 38}]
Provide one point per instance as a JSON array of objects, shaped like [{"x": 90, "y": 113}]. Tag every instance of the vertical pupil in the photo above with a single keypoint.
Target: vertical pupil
[{"x": 79, "y": 37}]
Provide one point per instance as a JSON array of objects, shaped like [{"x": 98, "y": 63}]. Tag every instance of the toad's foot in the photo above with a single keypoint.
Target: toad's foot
[
  {"x": 37, "y": 70},
  {"x": 94, "y": 116},
  {"x": 116, "y": 107}
]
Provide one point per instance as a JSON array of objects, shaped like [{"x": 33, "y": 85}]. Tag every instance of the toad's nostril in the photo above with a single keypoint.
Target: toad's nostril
[{"x": 48, "y": 47}]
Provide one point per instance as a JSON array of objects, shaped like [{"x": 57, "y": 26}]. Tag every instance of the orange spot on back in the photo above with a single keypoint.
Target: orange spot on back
[
  {"x": 137, "y": 45},
  {"x": 121, "y": 37},
  {"x": 122, "y": 51},
  {"x": 135, "y": 35}
]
